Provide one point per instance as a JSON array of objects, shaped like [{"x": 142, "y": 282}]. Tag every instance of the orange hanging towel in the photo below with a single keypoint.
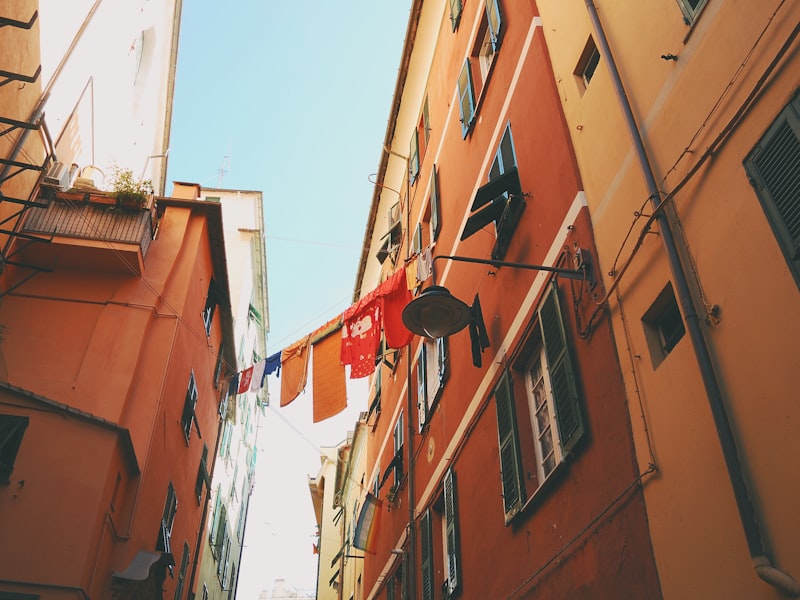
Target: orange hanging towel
[
  {"x": 294, "y": 370},
  {"x": 330, "y": 389}
]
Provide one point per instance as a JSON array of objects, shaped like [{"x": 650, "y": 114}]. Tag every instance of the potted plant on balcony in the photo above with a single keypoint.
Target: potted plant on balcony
[{"x": 127, "y": 191}]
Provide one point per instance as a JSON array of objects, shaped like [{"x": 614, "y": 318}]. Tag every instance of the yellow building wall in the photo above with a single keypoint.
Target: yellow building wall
[{"x": 739, "y": 276}]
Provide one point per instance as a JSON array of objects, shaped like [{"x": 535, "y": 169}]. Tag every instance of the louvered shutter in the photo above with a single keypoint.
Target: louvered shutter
[
  {"x": 562, "y": 374},
  {"x": 510, "y": 463},
  {"x": 413, "y": 157},
  {"x": 495, "y": 22},
  {"x": 451, "y": 527},
  {"x": 773, "y": 168},
  {"x": 426, "y": 558},
  {"x": 436, "y": 223},
  {"x": 422, "y": 386},
  {"x": 466, "y": 98}
]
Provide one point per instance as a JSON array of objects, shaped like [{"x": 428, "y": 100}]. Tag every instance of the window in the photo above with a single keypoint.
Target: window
[
  {"x": 419, "y": 143},
  {"x": 432, "y": 372},
  {"x": 392, "y": 238},
  {"x": 690, "y": 9},
  {"x": 587, "y": 64},
  {"x": 544, "y": 369},
  {"x": 189, "y": 417},
  {"x": 204, "y": 595},
  {"x": 216, "y": 516},
  {"x": 212, "y": 299},
  {"x": 167, "y": 518},
  {"x": 398, "y": 450},
  {"x": 477, "y": 67},
  {"x": 466, "y": 98},
  {"x": 12, "y": 428},
  {"x": 202, "y": 476},
  {"x": 182, "y": 572},
  {"x": 439, "y": 532},
  {"x": 218, "y": 366},
  {"x": 772, "y": 167},
  {"x": 456, "y": 7},
  {"x": 434, "y": 206},
  {"x": 500, "y": 201},
  {"x": 663, "y": 325}
]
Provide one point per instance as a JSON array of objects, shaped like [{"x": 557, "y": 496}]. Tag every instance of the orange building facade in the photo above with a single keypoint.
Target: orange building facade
[
  {"x": 111, "y": 395},
  {"x": 502, "y": 455},
  {"x": 684, "y": 116}
]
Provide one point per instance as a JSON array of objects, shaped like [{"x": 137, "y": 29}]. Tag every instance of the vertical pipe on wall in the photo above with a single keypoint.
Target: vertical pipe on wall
[{"x": 747, "y": 514}]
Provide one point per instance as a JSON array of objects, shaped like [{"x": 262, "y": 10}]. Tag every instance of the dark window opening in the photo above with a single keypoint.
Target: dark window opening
[{"x": 663, "y": 325}]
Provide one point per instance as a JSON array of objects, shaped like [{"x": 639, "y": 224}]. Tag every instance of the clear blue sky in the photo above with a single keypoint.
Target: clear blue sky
[{"x": 297, "y": 96}]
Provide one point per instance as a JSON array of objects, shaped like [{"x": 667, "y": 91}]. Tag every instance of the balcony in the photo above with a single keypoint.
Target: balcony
[{"x": 88, "y": 232}]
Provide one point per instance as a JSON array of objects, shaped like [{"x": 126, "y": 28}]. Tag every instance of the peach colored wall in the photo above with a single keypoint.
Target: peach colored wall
[
  {"x": 121, "y": 349},
  {"x": 530, "y": 557},
  {"x": 733, "y": 262}
]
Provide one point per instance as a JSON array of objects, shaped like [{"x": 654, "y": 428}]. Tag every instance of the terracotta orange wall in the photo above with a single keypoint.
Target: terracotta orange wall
[
  {"x": 499, "y": 559},
  {"x": 119, "y": 348}
]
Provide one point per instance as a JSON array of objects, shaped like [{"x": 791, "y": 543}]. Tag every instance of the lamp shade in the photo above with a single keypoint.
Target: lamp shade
[{"x": 436, "y": 313}]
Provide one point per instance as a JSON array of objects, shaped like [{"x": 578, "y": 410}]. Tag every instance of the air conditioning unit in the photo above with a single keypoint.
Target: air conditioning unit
[{"x": 58, "y": 176}]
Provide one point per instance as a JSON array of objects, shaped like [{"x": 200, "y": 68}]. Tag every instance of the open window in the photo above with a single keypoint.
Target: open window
[
  {"x": 167, "y": 519},
  {"x": 12, "y": 428},
  {"x": 431, "y": 374},
  {"x": 539, "y": 410},
  {"x": 440, "y": 543},
  {"x": 189, "y": 418},
  {"x": 500, "y": 201}
]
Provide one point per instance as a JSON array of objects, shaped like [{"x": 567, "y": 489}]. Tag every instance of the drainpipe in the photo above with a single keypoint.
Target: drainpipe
[{"x": 747, "y": 514}]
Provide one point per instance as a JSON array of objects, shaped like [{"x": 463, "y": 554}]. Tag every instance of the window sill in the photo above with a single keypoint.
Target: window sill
[{"x": 542, "y": 492}]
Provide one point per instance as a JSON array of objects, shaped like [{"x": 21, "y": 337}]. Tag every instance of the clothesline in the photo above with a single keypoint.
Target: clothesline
[{"x": 377, "y": 314}]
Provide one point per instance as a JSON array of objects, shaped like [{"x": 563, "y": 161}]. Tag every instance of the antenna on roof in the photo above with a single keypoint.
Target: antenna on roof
[{"x": 226, "y": 166}]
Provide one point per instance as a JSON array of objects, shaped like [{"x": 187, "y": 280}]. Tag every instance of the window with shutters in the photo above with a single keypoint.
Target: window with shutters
[
  {"x": 167, "y": 519},
  {"x": 477, "y": 68},
  {"x": 203, "y": 479},
  {"x": 419, "y": 143},
  {"x": 440, "y": 559},
  {"x": 12, "y": 428},
  {"x": 181, "y": 578},
  {"x": 456, "y": 6},
  {"x": 539, "y": 414},
  {"x": 212, "y": 299},
  {"x": 691, "y": 9},
  {"x": 773, "y": 168},
  {"x": 500, "y": 201},
  {"x": 431, "y": 375},
  {"x": 189, "y": 418}
]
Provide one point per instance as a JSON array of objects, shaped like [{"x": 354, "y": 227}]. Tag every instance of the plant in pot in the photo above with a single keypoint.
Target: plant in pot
[{"x": 129, "y": 192}]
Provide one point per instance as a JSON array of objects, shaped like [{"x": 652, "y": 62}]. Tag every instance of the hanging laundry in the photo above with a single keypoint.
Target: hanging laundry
[
  {"x": 245, "y": 378},
  {"x": 328, "y": 380},
  {"x": 258, "y": 375},
  {"x": 294, "y": 363},
  {"x": 425, "y": 265},
  {"x": 361, "y": 331},
  {"x": 395, "y": 295}
]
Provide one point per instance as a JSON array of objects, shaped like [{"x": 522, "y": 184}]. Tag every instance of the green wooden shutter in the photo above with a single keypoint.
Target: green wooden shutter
[
  {"x": 422, "y": 386},
  {"x": 510, "y": 463},
  {"x": 451, "y": 527},
  {"x": 455, "y": 12},
  {"x": 562, "y": 373},
  {"x": 466, "y": 97},
  {"x": 426, "y": 558},
  {"x": 413, "y": 157},
  {"x": 441, "y": 361},
  {"x": 772, "y": 168},
  {"x": 495, "y": 22},
  {"x": 436, "y": 223}
]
